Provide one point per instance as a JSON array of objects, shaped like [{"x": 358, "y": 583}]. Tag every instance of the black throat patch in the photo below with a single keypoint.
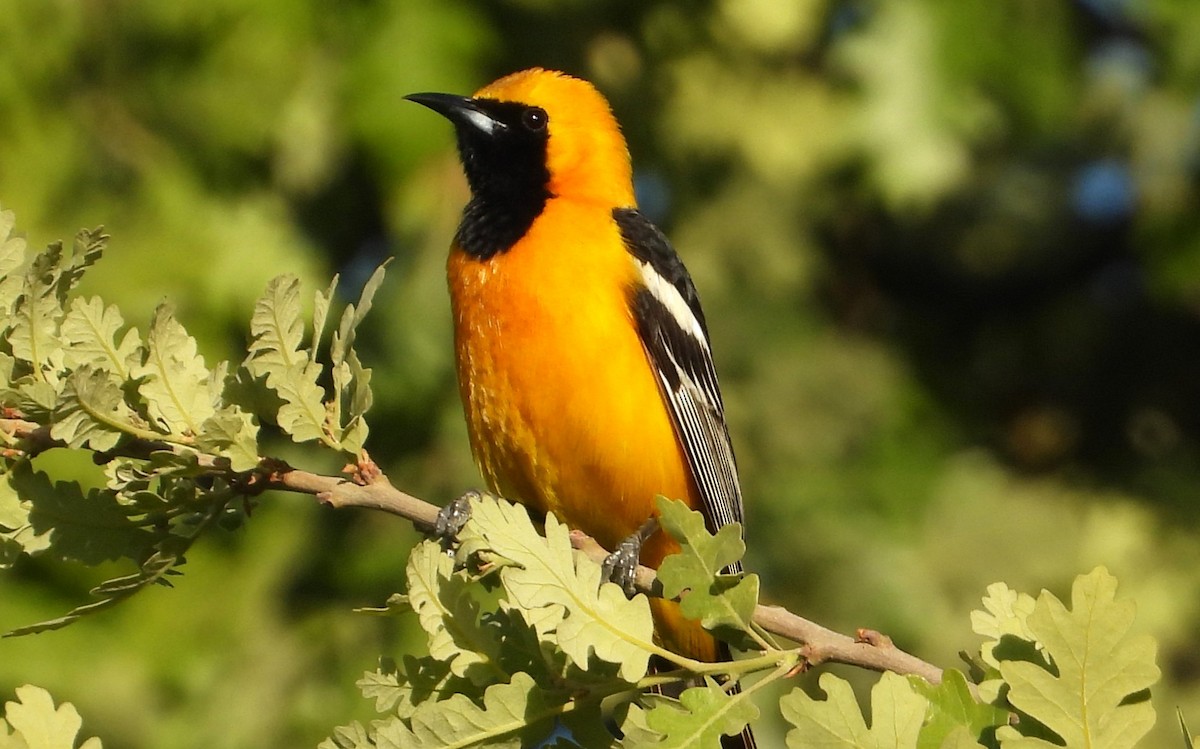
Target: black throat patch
[{"x": 509, "y": 180}]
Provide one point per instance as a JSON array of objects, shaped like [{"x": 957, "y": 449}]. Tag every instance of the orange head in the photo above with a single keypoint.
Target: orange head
[{"x": 537, "y": 135}]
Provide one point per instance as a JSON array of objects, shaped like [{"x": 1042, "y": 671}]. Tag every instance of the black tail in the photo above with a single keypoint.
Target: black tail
[{"x": 744, "y": 740}]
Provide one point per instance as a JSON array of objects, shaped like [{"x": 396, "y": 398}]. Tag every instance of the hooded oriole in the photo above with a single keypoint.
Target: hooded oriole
[{"x": 583, "y": 356}]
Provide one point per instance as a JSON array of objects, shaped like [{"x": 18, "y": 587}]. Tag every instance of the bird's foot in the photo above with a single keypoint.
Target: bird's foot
[
  {"x": 453, "y": 516},
  {"x": 621, "y": 565}
]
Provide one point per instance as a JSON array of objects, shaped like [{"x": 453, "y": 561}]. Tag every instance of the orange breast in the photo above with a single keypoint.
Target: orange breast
[{"x": 563, "y": 409}]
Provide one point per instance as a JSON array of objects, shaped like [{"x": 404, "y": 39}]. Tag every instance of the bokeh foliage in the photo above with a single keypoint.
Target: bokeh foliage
[{"x": 949, "y": 253}]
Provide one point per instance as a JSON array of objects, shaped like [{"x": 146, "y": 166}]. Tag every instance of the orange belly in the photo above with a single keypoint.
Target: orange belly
[{"x": 563, "y": 408}]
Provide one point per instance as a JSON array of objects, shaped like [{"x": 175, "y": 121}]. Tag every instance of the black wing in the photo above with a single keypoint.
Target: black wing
[{"x": 672, "y": 328}]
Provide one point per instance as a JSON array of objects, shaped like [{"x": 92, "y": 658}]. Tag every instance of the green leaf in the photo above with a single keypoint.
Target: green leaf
[
  {"x": 110, "y": 593},
  {"x": 231, "y": 433},
  {"x": 352, "y": 381},
  {"x": 723, "y": 603},
  {"x": 6, "y": 368},
  {"x": 897, "y": 713},
  {"x": 12, "y": 257},
  {"x": 14, "y": 522},
  {"x": 560, "y": 590},
  {"x": 12, "y": 246},
  {"x": 36, "y": 314},
  {"x": 321, "y": 301},
  {"x": 86, "y": 250},
  {"x": 397, "y": 604},
  {"x": 353, "y": 315},
  {"x": 1006, "y": 613},
  {"x": 1093, "y": 700},
  {"x": 382, "y": 685},
  {"x": 38, "y": 724},
  {"x": 90, "y": 331},
  {"x": 702, "y": 715},
  {"x": 90, "y": 528},
  {"x": 352, "y": 736},
  {"x": 418, "y": 681},
  {"x": 514, "y": 715},
  {"x": 951, "y": 707},
  {"x": 632, "y": 719},
  {"x": 93, "y": 413},
  {"x": 357, "y": 399},
  {"x": 276, "y": 353},
  {"x": 35, "y": 398},
  {"x": 174, "y": 378},
  {"x": 450, "y": 614},
  {"x": 13, "y": 513},
  {"x": 960, "y": 738}
]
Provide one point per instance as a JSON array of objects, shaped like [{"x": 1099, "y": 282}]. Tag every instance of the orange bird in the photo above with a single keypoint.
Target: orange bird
[{"x": 583, "y": 356}]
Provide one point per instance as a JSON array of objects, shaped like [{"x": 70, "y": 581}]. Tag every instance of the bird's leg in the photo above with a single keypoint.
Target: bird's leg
[
  {"x": 453, "y": 516},
  {"x": 621, "y": 565}
]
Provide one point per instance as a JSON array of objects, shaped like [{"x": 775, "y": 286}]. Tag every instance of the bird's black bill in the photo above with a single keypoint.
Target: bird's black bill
[{"x": 461, "y": 110}]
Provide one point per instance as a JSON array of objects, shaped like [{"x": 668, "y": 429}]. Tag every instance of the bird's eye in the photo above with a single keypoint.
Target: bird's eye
[{"x": 534, "y": 119}]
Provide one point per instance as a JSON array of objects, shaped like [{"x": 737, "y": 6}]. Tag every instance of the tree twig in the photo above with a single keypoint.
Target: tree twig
[{"x": 367, "y": 487}]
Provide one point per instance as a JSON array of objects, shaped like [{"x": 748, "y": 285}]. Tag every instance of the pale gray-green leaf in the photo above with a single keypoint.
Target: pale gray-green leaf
[
  {"x": 276, "y": 355},
  {"x": 38, "y": 724},
  {"x": 90, "y": 332},
  {"x": 174, "y": 377},
  {"x": 36, "y": 313},
  {"x": 93, "y": 413}
]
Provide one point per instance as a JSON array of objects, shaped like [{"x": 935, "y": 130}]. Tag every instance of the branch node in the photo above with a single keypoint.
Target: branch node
[
  {"x": 365, "y": 471},
  {"x": 874, "y": 639}
]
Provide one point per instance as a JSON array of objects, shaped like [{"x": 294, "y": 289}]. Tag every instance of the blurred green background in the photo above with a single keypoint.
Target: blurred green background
[{"x": 949, "y": 253}]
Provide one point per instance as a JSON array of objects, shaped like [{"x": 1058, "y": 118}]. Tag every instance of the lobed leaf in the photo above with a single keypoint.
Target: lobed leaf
[
  {"x": 38, "y": 724},
  {"x": 1091, "y": 697},
  {"x": 92, "y": 413},
  {"x": 382, "y": 685},
  {"x": 952, "y": 710},
  {"x": 231, "y": 433},
  {"x": 12, "y": 257},
  {"x": 1006, "y": 612},
  {"x": 13, "y": 512},
  {"x": 420, "y": 681},
  {"x": 86, "y": 250},
  {"x": 321, "y": 302},
  {"x": 513, "y": 715},
  {"x": 276, "y": 354},
  {"x": 701, "y": 716},
  {"x": 722, "y": 603},
  {"x": 14, "y": 520},
  {"x": 90, "y": 332},
  {"x": 353, "y": 315},
  {"x": 36, "y": 313},
  {"x": 357, "y": 399},
  {"x": 88, "y": 527},
  {"x": 110, "y": 593},
  {"x": 352, "y": 381},
  {"x": 450, "y": 614},
  {"x": 897, "y": 713},
  {"x": 174, "y": 377},
  {"x": 562, "y": 589},
  {"x": 352, "y": 736},
  {"x": 276, "y": 327}
]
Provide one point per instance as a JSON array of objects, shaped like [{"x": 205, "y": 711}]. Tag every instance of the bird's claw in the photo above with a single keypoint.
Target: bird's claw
[
  {"x": 621, "y": 565},
  {"x": 453, "y": 516}
]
